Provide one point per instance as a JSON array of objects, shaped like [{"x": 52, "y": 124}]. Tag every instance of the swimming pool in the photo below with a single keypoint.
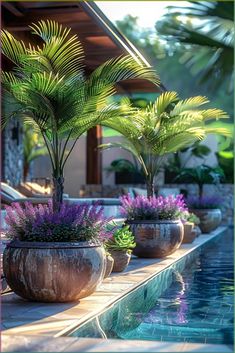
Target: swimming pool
[{"x": 191, "y": 301}]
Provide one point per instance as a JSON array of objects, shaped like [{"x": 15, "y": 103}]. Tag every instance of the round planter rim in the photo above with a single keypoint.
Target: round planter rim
[
  {"x": 154, "y": 221},
  {"x": 52, "y": 245}
]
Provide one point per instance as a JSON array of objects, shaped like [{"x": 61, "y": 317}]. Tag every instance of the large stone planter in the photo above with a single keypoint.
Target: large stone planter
[
  {"x": 53, "y": 272},
  {"x": 121, "y": 260},
  {"x": 156, "y": 239},
  {"x": 109, "y": 265},
  {"x": 210, "y": 219},
  {"x": 190, "y": 233}
]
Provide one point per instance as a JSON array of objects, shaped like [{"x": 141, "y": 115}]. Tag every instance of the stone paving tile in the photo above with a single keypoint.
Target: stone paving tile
[
  {"x": 34, "y": 344},
  {"x": 24, "y": 343}
]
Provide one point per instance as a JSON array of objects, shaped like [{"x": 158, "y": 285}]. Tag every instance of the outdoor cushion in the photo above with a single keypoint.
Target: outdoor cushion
[
  {"x": 168, "y": 191},
  {"x": 33, "y": 190},
  {"x": 139, "y": 192},
  {"x": 7, "y": 189},
  {"x": 91, "y": 201}
]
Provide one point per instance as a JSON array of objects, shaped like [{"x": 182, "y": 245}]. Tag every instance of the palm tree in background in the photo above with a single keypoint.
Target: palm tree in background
[
  {"x": 49, "y": 90},
  {"x": 206, "y": 30},
  {"x": 163, "y": 127}
]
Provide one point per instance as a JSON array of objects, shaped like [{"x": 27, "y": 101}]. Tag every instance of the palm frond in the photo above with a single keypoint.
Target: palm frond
[
  {"x": 163, "y": 101},
  {"x": 64, "y": 52},
  {"x": 209, "y": 41},
  {"x": 188, "y": 104},
  {"x": 12, "y": 48},
  {"x": 119, "y": 69}
]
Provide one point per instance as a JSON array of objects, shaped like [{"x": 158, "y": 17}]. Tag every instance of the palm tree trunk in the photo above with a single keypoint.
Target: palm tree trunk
[
  {"x": 58, "y": 189},
  {"x": 25, "y": 171},
  {"x": 200, "y": 186},
  {"x": 150, "y": 187}
]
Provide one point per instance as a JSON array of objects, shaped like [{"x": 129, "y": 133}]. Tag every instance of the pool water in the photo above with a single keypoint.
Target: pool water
[{"x": 190, "y": 302}]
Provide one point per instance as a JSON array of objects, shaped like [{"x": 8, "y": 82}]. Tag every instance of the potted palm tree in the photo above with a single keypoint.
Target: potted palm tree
[
  {"x": 48, "y": 89},
  {"x": 163, "y": 127},
  {"x": 207, "y": 208}
]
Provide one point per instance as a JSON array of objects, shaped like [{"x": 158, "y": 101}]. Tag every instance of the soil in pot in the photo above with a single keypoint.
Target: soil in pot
[
  {"x": 121, "y": 260},
  {"x": 53, "y": 272},
  {"x": 109, "y": 265},
  {"x": 210, "y": 219},
  {"x": 156, "y": 239},
  {"x": 190, "y": 233}
]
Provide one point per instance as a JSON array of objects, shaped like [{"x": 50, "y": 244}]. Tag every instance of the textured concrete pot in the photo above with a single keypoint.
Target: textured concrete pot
[
  {"x": 156, "y": 239},
  {"x": 210, "y": 219},
  {"x": 190, "y": 233},
  {"x": 109, "y": 262},
  {"x": 121, "y": 260},
  {"x": 53, "y": 272}
]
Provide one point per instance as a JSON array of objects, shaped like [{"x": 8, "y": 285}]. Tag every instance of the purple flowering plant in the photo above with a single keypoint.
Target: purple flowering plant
[
  {"x": 204, "y": 202},
  {"x": 152, "y": 208},
  {"x": 72, "y": 223}
]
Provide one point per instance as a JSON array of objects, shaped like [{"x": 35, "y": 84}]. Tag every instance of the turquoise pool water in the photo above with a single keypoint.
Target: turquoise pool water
[{"x": 192, "y": 301}]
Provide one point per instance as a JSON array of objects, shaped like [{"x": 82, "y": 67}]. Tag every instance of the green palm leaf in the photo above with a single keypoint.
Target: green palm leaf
[
  {"x": 209, "y": 41},
  {"x": 48, "y": 89},
  {"x": 164, "y": 127}
]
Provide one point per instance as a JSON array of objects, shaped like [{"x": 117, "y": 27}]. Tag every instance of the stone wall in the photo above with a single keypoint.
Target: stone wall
[
  {"x": 13, "y": 153},
  {"x": 225, "y": 191}
]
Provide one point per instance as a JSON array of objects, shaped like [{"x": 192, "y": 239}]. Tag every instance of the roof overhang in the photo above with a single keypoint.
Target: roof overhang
[{"x": 99, "y": 36}]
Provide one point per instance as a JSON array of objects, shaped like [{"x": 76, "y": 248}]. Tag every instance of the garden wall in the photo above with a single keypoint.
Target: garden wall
[
  {"x": 225, "y": 191},
  {"x": 12, "y": 150}
]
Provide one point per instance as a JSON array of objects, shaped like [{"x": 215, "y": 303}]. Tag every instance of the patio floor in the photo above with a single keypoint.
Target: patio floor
[{"x": 26, "y": 319}]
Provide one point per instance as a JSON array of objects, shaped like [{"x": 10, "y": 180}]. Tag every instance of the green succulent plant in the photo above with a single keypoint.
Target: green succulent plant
[
  {"x": 193, "y": 218},
  {"x": 122, "y": 240}
]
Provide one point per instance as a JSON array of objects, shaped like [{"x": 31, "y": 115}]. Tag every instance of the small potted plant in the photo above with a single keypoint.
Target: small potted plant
[
  {"x": 190, "y": 222},
  {"x": 109, "y": 262},
  {"x": 55, "y": 256},
  {"x": 120, "y": 247},
  {"x": 207, "y": 209},
  {"x": 155, "y": 223}
]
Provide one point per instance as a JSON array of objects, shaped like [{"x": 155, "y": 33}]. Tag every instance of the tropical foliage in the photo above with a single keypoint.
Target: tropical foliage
[
  {"x": 165, "y": 55},
  {"x": 174, "y": 164},
  {"x": 206, "y": 30},
  {"x": 49, "y": 90},
  {"x": 167, "y": 125},
  {"x": 201, "y": 175}
]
